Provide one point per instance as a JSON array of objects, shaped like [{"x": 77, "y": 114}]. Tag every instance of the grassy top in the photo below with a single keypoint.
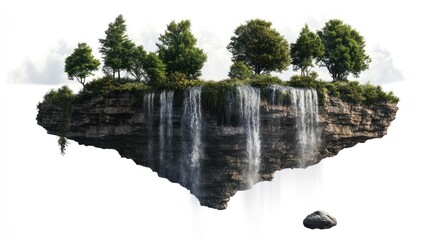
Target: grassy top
[{"x": 352, "y": 91}]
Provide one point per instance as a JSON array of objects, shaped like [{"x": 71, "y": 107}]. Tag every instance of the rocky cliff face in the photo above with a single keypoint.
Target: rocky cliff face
[{"x": 215, "y": 153}]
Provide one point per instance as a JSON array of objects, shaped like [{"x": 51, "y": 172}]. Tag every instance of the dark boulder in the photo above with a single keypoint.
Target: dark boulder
[{"x": 320, "y": 220}]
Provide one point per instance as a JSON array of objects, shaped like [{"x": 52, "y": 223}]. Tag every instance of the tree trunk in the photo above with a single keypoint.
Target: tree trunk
[
  {"x": 82, "y": 81},
  {"x": 119, "y": 75}
]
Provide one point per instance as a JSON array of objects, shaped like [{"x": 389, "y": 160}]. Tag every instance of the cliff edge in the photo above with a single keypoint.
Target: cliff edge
[{"x": 215, "y": 151}]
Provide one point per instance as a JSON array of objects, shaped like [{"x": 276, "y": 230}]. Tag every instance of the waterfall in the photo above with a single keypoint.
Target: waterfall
[
  {"x": 279, "y": 94},
  {"x": 165, "y": 127},
  {"x": 304, "y": 102},
  {"x": 192, "y": 147},
  {"x": 249, "y": 102},
  {"x": 191, "y": 125},
  {"x": 306, "y": 106},
  {"x": 148, "y": 121}
]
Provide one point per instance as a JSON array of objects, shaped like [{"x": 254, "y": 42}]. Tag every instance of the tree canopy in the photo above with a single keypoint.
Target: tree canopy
[
  {"x": 344, "y": 50},
  {"x": 136, "y": 68},
  {"x": 117, "y": 48},
  {"x": 240, "y": 71},
  {"x": 257, "y": 49},
  {"x": 155, "y": 69},
  {"x": 81, "y": 63},
  {"x": 177, "y": 50},
  {"x": 307, "y": 48},
  {"x": 260, "y": 47}
]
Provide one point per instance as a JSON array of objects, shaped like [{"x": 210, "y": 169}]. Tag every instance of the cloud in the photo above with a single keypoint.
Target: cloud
[
  {"x": 218, "y": 57},
  {"x": 381, "y": 69},
  {"x": 147, "y": 36},
  {"x": 49, "y": 70}
]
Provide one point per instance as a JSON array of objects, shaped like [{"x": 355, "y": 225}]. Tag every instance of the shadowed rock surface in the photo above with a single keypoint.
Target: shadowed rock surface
[
  {"x": 124, "y": 122},
  {"x": 319, "y": 220}
]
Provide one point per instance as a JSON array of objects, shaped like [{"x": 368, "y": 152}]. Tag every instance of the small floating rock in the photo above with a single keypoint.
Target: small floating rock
[{"x": 320, "y": 220}]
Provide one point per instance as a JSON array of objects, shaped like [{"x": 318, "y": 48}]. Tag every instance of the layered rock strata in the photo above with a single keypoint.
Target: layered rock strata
[{"x": 155, "y": 134}]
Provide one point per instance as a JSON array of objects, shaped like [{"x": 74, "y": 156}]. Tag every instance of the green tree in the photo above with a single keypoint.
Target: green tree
[
  {"x": 177, "y": 50},
  {"x": 260, "y": 47},
  {"x": 81, "y": 63},
  {"x": 137, "y": 63},
  {"x": 308, "y": 47},
  {"x": 344, "y": 50},
  {"x": 117, "y": 48},
  {"x": 240, "y": 71},
  {"x": 155, "y": 70}
]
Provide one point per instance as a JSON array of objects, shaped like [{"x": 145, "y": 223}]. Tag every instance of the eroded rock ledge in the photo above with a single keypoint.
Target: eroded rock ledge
[{"x": 120, "y": 121}]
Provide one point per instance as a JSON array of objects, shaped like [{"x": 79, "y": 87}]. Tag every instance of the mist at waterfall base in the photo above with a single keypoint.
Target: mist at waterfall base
[{"x": 375, "y": 190}]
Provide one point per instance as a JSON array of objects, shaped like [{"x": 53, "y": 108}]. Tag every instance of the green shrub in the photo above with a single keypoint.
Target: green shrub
[
  {"x": 309, "y": 81},
  {"x": 60, "y": 97},
  {"x": 176, "y": 77},
  {"x": 182, "y": 84},
  {"x": 352, "y": 91},
  {"x": 104, "y": 86},
  {"x": 63, "y": 98},
  {"x": 376, "y": 94},
  {"x": 240, "y": 71},
  {"x": 262, "y": 81}
]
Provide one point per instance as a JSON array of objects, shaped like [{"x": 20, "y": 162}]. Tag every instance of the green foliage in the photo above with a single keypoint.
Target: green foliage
[
  {"x": 347, "y": 91},
  {"x": 262, "y": 81},
  {"x": 308, "y": 47},
  {"x": 63, "y": 98},
  {"x": 155, "y": 70},
  {"x": 117, "y": 48},
  {"x": 350, "y": 91},
  {"x": 344, "y": 50},
  {"x": 63, "y": 143},
  {"x": 177, "y": 77},
  {"x": 60, "y": 97},
  {"x": 104, "y": 86},
  {"x": 240, "y": 71},
  {"x": 183, "y": 84},
  {"x": 136, "y": 69},
  {"x": 309, "y": 81},
  {"x": 81, "y": 63},
  {"x": 260, "y": 47},
  {"x": 376, "y": 94},
  {"x": 177, "y": 49}
]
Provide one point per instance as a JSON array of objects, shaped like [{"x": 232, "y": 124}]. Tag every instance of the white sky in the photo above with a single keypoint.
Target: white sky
[{"x": 376, "y": 190}]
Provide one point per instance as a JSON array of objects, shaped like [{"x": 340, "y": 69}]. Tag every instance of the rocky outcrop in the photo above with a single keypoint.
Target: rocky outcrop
[
  {"x": 319, "y": 220},
  {"x": 139, "y": 131}
]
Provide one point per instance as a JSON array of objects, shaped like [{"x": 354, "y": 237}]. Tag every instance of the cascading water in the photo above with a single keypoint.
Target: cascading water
[
  {"x": 249, "y": 102},
  {"x": 192, "y": 148},
  {"x": 192, "y": 124},
  {"x": 305, "y": 104},
  {"x": 165, "y": 127},
  {"x": 148, "y": 121}
]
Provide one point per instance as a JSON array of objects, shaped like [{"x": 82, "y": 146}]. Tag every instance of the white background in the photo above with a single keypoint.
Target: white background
[{"x": 376, "y": 190}]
